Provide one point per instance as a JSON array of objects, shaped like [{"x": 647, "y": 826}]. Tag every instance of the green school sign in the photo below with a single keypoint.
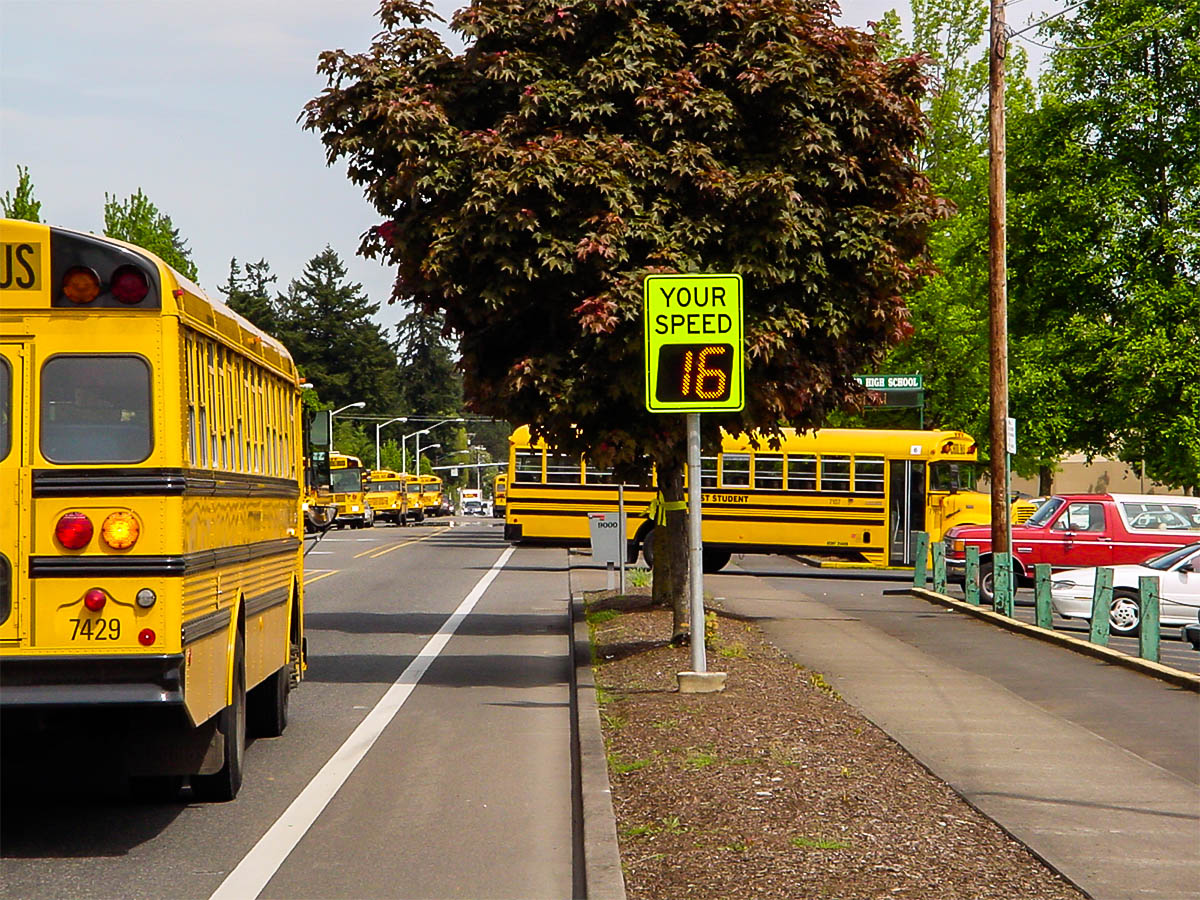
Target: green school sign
[{"x": 695, "y": 360}]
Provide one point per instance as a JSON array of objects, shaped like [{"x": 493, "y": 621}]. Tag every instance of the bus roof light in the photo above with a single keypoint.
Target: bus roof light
[
  {"x": 129, "y": 285},
  {"x": 95, "y": 599},
  {"x": 81, "y": 285},
  {"x": 74, "y": 530}
]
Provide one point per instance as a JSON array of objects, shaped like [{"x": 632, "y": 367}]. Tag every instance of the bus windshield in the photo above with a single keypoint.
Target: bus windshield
[
  {"x": 345, "y": 481},
  {"x": 377, "y": 486},
  {"x": 952, "y": 476}
]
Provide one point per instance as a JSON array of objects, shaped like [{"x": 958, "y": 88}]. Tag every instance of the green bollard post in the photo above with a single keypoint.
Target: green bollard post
[
  {"x": 1002, "y": 584},
  {"x": 1148, "y": 636},
  {"x": 1101, "y": 604},
  {"x": 920, "y": 554},
  {"x": 939, "y": 568},
  {"x": 1041, "y": 596},
  {"x": 971, "y": 576}
]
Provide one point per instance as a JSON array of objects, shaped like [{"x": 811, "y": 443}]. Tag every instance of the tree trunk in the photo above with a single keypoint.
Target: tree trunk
[
  {"x": 1045, "y": 481},
  {"x": 670, "y": 550}
]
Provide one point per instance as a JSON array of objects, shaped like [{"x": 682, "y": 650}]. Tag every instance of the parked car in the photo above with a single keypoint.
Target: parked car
[
  {"x": 473, "y": 508},
  {"x": 1071, "y": 531},
  {"x": 1178, "y": 573}
]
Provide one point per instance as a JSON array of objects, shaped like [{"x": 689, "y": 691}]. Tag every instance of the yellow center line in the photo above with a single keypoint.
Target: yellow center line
[
  {"x": 319, "y": 577},
  {"x": 405, "y": 544}
]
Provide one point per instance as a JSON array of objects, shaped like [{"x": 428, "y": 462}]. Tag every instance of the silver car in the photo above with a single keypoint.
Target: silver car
[{"x": 1178, "y": 573}]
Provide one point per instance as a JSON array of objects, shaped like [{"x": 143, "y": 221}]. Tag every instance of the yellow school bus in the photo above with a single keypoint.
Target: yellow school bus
[
  {"x": 387, "y": 494},
  {"x": 151, "y": 570},
  {"x": 499, "y": 493},
  {"x": 852, "y": 494},
  {"x": 348, "y": 484},
  {"x": 431, "y": 494}
]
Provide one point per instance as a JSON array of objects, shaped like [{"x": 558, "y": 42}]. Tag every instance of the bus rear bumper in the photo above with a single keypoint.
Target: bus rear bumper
[
  {"x": 52, "y": 682},
  {"x": 513, "y": 533}
]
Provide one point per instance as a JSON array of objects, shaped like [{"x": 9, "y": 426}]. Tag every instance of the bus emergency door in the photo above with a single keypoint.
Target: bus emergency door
[
  {"x": 14, "y": 490},
  {"x": 906, "y": 508}
]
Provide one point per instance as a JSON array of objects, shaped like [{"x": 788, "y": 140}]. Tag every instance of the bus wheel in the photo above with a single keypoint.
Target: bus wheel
[
  {"x": 648, "y": 547},
  {"x": 267, "y": 704},
  {"x": 715, "y": 560},
  {"x": 224, "y": 785}
]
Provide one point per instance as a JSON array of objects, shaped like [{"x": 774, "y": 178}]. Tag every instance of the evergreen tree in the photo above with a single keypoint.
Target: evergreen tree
[
  {"x": 325, "y": 320},
  {"x": 22, "y": 205},
  {"x": 432, "y": 383},
  {"x": 139, "y": 221},
  {"x": 248, "y": 292}
]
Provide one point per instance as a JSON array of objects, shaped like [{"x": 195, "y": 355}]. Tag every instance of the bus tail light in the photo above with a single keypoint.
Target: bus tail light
[
  {"x": 74, "y": 530},
  {"x": 120, "y": 530},
  {"x": 95, "y": 599},
  {"x": 146, "y": 637},
  {"x": 81, "y": 285},
  {"x": 129, "y": 285}
]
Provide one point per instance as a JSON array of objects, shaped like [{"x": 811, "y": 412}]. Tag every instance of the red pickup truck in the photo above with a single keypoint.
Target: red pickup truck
[{"x": 1072, "y": 531}]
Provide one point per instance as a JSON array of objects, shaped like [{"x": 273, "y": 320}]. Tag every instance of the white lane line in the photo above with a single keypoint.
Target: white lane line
[{"x": 259, "y": 866}]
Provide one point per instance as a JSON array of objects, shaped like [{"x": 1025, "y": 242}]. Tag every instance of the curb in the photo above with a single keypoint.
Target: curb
[
  {"x": 603, "y": 878},
  {"x": 1184, "y": 680}
]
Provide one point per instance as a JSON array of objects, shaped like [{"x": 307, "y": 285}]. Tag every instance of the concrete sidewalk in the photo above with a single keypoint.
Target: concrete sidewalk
[{"x": 1111, "y": 820}]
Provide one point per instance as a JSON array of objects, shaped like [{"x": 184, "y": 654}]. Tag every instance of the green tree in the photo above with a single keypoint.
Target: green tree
[
  {"x": 325, "y": 321},
  {"x": 249, "y": 292},
  {"x": 531, "y": 182},
  {"x": 22, "y": 205},
  {"x": 432, "y": 383},
  {"x": 1105, "y": 243},
  {"x": 138, "y": 221}
]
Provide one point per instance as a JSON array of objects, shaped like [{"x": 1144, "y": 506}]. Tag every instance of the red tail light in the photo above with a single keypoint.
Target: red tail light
[
  {"x": 74, "y": 530},
  {"x": 129, "y": 285},
  {"x": 146, "y": 637},
  {"x": 95, "y": 599}
]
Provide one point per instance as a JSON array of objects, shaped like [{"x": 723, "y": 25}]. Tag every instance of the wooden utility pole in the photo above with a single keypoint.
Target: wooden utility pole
[{"x": 998, "y": 278}]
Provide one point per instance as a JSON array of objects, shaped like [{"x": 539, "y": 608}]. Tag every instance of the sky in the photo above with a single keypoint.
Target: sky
[{"x": 196, "y": 103}]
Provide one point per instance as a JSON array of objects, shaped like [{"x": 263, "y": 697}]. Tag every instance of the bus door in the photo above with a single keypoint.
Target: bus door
[
  {"x": 906, "y": 508},
  {"x": 14, "y": 490}
]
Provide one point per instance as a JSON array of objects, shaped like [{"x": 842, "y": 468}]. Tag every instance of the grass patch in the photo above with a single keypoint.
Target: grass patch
[
  {"x": 733, "y": 651},
  {"x": 639, "y": 577},
  {"x": 612, "y": 720},
  {"x": 699, "y": 759},
  {"x": 620, "y": 767},
  {"x": 600, "y": 616},
  {"x": 638, "y": 830},
  {"x": 665, "y": 724},
  {"x": 603, "y": 696},
  {"x": 807, "y": 843}
]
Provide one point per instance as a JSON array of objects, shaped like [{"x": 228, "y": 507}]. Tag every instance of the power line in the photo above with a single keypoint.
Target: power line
[{"x": 1085, "y": 48}]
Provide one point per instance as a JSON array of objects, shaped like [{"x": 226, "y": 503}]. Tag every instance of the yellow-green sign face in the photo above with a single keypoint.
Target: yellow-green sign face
[{"x": 694, "y": 353}]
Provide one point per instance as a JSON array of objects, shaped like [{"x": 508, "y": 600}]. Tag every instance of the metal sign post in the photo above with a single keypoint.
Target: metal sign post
[{"x": 695, "y": 363}]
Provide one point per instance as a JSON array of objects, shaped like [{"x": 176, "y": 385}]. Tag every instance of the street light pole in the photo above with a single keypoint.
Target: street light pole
[
  {"x": 417, "y": 435},
  {"x": 379, "y": 426},
  {"x": 357, "y": 405}
]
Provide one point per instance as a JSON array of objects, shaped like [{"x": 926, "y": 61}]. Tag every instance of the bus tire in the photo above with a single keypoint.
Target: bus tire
[
  {"x": 715, "y": 560},
  {"x": 223, "y": 786},
  {"x": 267, "y": 704},
  {"x": 648, "y": 547}
]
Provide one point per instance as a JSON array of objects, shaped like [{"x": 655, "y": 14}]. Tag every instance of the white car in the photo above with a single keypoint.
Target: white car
[{"x": 1178, "y": 573}]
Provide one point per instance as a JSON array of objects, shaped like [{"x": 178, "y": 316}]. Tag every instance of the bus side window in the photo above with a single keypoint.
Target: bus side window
[
  {"x": 768, "y": 471},
  {"x": 528, "y": 466},
  {"x": 835, "y": 473},
  {"x": 802, "y": 473},
  {"x": 735, "y": 470},
  {"x": 593, "y": 475},
  {"x": 708, "y": 471},
  {"x": 562, "y": 468},
  {"x": 868, "y": 475}
]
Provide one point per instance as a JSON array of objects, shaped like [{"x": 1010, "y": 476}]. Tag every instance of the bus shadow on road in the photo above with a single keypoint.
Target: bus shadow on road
[
  {"x": 466, "y": 670},
  {"x": 76, "y": 818}
]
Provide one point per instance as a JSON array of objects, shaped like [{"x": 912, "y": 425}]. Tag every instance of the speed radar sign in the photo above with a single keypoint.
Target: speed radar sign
[{"x": 693, "y": 340}]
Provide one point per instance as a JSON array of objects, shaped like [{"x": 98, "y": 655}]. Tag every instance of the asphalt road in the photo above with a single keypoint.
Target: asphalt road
[{"x": 465, "y": 791}]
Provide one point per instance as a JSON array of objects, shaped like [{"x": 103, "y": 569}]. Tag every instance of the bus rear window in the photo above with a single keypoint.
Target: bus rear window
[
  {"x": 95, "y": 409},
  {"x": 5, "y": 408}
]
